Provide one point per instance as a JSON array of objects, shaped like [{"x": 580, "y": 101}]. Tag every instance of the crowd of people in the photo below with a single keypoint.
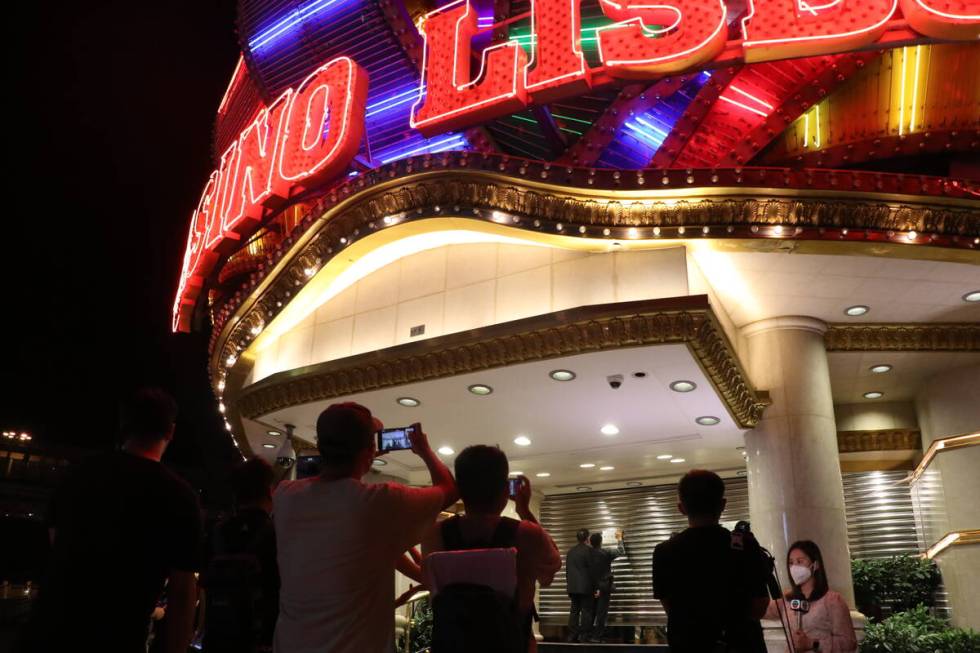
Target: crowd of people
[{"x": 309, "y": 565}]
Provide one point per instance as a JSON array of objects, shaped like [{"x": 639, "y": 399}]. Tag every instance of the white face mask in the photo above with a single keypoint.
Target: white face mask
[{"x": 800, "y": 574}]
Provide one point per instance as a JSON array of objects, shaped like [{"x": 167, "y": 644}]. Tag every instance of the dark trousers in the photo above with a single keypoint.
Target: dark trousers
[
  {"x": 602, "y": 610},
  {"x": 580, "y": 616}
]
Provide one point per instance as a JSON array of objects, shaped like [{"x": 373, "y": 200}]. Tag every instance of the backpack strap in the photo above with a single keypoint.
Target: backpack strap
[{"x": 505, "y": 535}]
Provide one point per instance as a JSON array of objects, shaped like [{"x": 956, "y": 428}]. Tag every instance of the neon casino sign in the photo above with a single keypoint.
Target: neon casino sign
[{"x": 311, "y": 132}]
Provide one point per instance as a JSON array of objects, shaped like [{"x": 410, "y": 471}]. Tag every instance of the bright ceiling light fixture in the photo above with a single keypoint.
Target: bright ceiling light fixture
[
  {"x": 480, "y": 389},
  {"x": 446, "y": 451},
  {"x": 269, "y": 446},
  {"x": 562, "y": 375},
  {"x": 880, "y": 369},
  {"x": 707, "y": 420},
  {"x": 408, "y": 402},
  {"x": 677, "y": 460},
  {"x": 972, "y": 296},
  {"x": 664, "y": 456},
  {"x": 683, "y": 386},
  {"x": 516, "y": 473},
  {"x": 606, "y": 468},
  {"x": 855, "y": 311},
  {"x": 522, "y": 441},
  {"x": 379, "y": 462},
  {"x": 274, "y": 433},
  {"x": 543, "y": 474},
  {"x": 874, "y": 394},
  {"x": 610, "y": 429},
  {"x": 587, "y": 465}
]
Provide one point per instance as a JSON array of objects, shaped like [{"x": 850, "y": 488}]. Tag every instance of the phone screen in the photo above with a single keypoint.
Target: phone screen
[
  {"x": 395, "y": 439},
  {"x": 307, "y": 466},
  {"x": 513, "y": 485}
]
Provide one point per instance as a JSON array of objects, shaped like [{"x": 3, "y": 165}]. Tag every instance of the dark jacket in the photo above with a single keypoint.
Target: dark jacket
[
  {"x": 578, "y": 570},
  {"x": 601, "y": 566}
]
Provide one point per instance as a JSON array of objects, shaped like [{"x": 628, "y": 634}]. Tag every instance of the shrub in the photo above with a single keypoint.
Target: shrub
[
  {"x": 918, "y": 631},
  {"x": 900, "y": 583}
]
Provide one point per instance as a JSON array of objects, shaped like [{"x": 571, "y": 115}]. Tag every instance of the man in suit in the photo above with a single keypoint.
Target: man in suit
[
  {"x": 580, "y": 588},
  {"x": 602, "y": 578}
]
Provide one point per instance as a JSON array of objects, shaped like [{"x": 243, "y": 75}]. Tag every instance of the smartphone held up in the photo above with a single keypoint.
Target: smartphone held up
[{"x": 397, "y": 439}]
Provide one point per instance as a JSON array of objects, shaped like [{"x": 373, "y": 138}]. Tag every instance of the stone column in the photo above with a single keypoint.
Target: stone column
[
  {"x": 949, "y": 404},
  {"x": 795, "y": 488}
]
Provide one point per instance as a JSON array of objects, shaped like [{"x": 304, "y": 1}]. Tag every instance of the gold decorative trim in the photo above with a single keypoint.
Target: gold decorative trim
[
  {"x": 883, "y": 440},
  {"x": 903, "y": 337},
  {"x": 685, "y": 320}
]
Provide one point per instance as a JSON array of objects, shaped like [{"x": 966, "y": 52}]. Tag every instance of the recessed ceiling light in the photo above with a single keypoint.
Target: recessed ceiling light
[
  {"x": 606, "y": 468},
  {"x": 874, "y": 394},
  {"x": 480, "y": 389},
  {"x": 446, "y": 451},
  {"x": 633, "y": 483},
  {"x": 583, "y": 488},
  {"x": 707, "y": 420},
  {"x": 880, "y": 369},
  {"x": 516, "y": 473},
  {"x": 664, "y": 456},
  {"x": 408, "y": 402},
  {"x": 587, "y": 465},
  {"x": 683, "y": 386},
  {"x": 562, "y": 375},
  {"x": 274, "y": 433},
  {"x": 379, "y": 462},
  {"x": 973, "y": 296},
  {"x": 741, "y": 472},
  {"x": 543, "y": 474},
  {"x": 522, "y": 441},
  {"x": 269, "y": 446},
  {"x": 610, "y": 429},
  {"x": 855, "y": 311},
  {"x": 676, "y": 460}
]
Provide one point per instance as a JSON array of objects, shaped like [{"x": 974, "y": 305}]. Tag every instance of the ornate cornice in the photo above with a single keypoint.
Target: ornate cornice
[
  {"x": 686, "y": 321},
  {"x": 903, "y": 337},
  {"x": 883, "y": 440}
]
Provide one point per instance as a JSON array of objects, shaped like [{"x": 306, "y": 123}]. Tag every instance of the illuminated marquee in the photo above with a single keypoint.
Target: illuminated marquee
[
  {"x": 649, "y": 38},
  {"x": 308, "y": 135}
]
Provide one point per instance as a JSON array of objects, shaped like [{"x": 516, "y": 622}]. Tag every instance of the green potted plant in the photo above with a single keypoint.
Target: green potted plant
[
  {"x": 918, "y": 631},
  {"x": 892, "y": 585}
]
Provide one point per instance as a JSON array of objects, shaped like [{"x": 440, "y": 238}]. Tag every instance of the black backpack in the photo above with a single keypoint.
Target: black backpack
[
  {"x": 469, "y": 618},
  {"x": 233, "y": 582}
]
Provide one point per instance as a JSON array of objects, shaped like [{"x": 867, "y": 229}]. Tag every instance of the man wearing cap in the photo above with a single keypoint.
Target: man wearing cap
[{"x": 339, "y": 539}]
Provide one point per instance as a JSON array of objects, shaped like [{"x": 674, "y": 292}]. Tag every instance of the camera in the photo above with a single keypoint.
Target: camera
[{"x": 614, "y": 381}]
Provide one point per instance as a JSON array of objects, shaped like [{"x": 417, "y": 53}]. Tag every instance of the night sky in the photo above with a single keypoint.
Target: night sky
[{"x": 116, "y": 105}]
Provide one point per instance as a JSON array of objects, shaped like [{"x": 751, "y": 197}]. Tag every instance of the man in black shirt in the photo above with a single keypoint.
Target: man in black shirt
[
  {"x": 714, "y": 593},
  {"x": 121, "y": 525},
  {"x": 602, "y": 578},
  {"x": 242, "y": 578},
  {"x": 580, "y": 588}
]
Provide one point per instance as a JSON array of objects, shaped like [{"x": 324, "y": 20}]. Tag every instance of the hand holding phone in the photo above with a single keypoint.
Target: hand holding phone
[{"x": 397, "y": 439}]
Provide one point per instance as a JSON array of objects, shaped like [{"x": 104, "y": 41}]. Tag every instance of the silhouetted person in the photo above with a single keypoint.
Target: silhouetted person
[
  {"x": 580, "y": 588},
  {"x": 481, "y": 474},
  {"x": 713, "y": 592},
  {"x": 602, "y": 578},
  {"x": 242, "y": 577},
  {"x": 122, "y": 525}
]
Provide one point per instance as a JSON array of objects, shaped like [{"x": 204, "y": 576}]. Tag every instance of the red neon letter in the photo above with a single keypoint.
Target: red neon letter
[
  {"x": 690, "y": 31},
  {"x": 254, "y": 166},
  {"x": 324, "y": 125},
  {"x": 447, "y": 96},
  {"x": 558, "y": 66},
  {"x": 781, "y": 29},
  {"x": 198, "y": 260},
  {"x": 944, "y": 19}
]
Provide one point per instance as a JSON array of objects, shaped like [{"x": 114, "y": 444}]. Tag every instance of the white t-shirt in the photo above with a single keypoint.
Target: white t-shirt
[{"x": 338, "y": 542}]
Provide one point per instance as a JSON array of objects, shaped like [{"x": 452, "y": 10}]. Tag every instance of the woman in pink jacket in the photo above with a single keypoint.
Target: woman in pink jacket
[{"x": 818, "y": 617}]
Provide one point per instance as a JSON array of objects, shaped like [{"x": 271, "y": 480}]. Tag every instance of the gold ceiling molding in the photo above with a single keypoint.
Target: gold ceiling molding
[
  {"x": 881, "y": 440},
  {"x": 684, "y": 320},
  {"x": 951, "y": 336}
]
